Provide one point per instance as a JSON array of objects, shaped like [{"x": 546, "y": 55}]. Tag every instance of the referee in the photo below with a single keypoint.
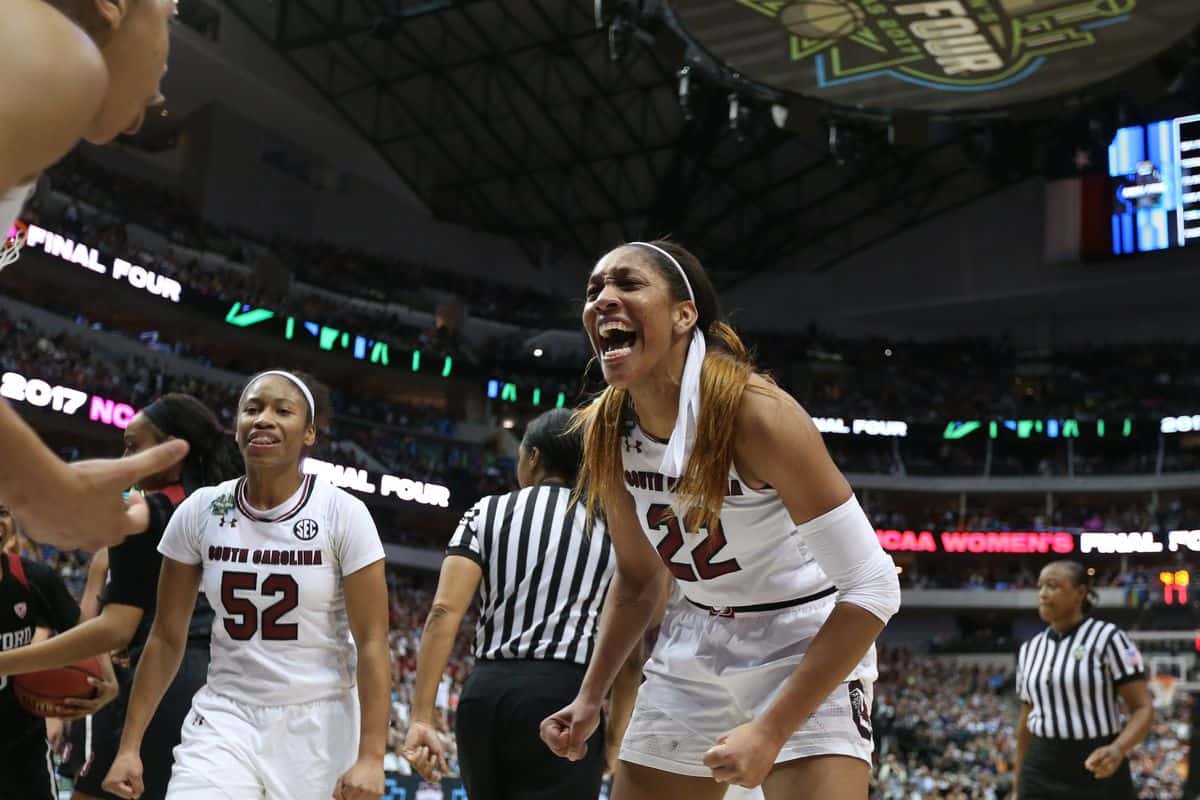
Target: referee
[
  {"x": 544, "y": 575},
  {"x": 1070, "y": 741}
]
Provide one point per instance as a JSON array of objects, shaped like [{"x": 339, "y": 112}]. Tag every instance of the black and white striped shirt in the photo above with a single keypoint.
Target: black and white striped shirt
[
  {"x": 1071, "y": 679},
  {"x": 544, "y": 574}
]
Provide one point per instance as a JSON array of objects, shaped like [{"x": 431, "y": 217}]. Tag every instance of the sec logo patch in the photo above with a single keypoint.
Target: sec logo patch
[{"x": 306, "y": 530}]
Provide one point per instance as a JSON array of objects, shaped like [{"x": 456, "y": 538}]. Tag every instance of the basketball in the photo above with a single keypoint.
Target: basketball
[
  {"x": 822, "y": 19},
  {"x": 41, "y": 693}
]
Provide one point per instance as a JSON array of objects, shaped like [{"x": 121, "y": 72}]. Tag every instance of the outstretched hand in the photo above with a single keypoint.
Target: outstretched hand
[{"x": 82, "y": 505}]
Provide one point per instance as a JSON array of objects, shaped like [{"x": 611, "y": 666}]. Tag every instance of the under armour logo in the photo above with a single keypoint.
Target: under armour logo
[
  {"x": 232, "y": 522},
  {"x": 637, "y": 445},
  {"x": 197, "y": 720}
]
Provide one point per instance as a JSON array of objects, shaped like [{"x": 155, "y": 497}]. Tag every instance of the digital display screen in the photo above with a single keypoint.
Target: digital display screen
[{"x": 1155, "y": 172}]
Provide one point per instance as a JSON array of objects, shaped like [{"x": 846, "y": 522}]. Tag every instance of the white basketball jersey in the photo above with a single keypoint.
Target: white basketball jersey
[
  {"x": 754, "y": 557},
  {"x": 274, "y": 578}
]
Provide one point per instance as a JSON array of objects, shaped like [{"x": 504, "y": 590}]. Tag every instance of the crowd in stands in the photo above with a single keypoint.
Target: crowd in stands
[
  {"x": 1160, "y": 764},
  {"x": 919, "y": 382},
  {"x": 965, "y": 379},
  {"x": 413, "y": 442},
  {"x": 343, "y": 270},
  {"x": 944, "y": 730}
]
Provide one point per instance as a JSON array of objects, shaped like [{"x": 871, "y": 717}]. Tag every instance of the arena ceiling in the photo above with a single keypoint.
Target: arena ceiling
[{"x": 514, "y": 116}]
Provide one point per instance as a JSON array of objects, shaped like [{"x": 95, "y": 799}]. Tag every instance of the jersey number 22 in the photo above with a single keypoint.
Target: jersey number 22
[
  {"x": 245, "y": 622},
  {"x": 660, "y": 516}
]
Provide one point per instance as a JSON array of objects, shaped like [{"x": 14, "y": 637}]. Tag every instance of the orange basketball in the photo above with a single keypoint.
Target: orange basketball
[{"x": 41, "y": 693}]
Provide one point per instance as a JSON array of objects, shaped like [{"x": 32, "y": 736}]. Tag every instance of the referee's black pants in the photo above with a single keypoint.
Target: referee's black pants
[
  {"x": 1053, "y": 770},
  {"x": 500, "y": 752}
]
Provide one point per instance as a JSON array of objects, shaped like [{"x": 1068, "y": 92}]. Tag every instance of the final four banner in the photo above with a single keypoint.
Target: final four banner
[{"x": 933, "y": 55}]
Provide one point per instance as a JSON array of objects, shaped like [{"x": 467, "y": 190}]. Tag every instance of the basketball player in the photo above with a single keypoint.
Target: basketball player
[
  {"x": 763, "y": 675},
  {"x": 72, "y": 69},
  {"x": 123, "y": 622},
  {"x": 32, "y": 595},
  {"x": 293, "y": 566}
]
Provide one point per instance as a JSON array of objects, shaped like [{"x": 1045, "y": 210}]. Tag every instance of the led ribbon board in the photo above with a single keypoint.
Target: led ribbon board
[
  {"x": 65, "y": 400},
  {"x": 90, "y": 258},
  {"x": 1039, "y": 542}
]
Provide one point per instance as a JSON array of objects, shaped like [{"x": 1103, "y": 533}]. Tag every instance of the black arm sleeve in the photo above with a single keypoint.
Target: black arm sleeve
[
  {"x": 53, "y": 605},
  {"x": 134, "y": 564}
]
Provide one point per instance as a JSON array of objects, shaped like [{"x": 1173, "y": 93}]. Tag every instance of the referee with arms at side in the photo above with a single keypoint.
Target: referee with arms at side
[
  {"x": 544, "y": 576},
  {"x": 1070, "y": 741}
]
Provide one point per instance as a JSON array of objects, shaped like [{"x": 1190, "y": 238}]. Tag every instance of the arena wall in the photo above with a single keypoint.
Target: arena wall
[{"x": 981, "y": 270}]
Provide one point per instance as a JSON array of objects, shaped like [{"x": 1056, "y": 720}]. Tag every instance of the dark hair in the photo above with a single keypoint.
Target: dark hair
[
  {"x": 213, "y": 456},
  {"x": 727, "y": 370},
  {"x": 1079, "y": 577},
  {"x": 708, "y": 304},
  {"x": 559, "y": 444},
  {"x": 322, "y": 411}
]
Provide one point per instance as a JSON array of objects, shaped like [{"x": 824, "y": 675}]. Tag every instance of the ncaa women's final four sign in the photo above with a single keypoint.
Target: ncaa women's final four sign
[{"x": 933, "y": 55}]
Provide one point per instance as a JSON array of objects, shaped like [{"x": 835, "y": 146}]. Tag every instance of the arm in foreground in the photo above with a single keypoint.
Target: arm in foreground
[
  {"x": 367, "y": 610},
  {"x": 629, "y": 607},
  {"x": 456, "y": 587},
  {"x": 1024, "y": 737},
  {"x": 51, "y": 92},
  {"x": 178, "y": 585},
  {"x": 76, "y": 505},
  {"x": 1104, "y": 761}
]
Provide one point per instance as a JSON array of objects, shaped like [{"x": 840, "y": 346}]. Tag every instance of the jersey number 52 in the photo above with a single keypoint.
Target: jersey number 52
[
  {"x": 660, "y": 516},
  {"x": 245, "y": 622}
]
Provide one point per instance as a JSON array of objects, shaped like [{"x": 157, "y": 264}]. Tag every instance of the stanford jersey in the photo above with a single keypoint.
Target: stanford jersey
[
  {"x": 31, "y": 596},
  {"x": 274, "y": 579},
  {"x": 753, "y": 557}
]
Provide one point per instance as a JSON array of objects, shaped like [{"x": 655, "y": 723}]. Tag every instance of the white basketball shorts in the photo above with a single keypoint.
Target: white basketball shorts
[
  {"x": 709, "y": 674},
  {"x": 234, "y": 751}
]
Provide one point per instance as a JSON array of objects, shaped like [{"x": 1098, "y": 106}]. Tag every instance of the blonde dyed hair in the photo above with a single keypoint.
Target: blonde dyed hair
[{"x": 726, "y": 372}]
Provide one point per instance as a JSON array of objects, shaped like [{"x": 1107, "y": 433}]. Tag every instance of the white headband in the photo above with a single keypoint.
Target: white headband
[
  {"x": 673, "y": 260},
  {"x": 312, "y": 407},
  {"x": 683, "y": 435}
]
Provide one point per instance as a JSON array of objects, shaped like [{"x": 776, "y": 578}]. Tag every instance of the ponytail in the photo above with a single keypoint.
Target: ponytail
[{"x": 213, "y": 456}]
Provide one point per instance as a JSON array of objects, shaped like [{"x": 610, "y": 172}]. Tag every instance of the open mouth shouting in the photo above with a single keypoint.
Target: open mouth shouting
[{"x": 616, "y": 339}]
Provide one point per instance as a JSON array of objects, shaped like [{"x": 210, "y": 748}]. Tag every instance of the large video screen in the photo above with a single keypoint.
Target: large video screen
[{"x": 1155, "y": 171}]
